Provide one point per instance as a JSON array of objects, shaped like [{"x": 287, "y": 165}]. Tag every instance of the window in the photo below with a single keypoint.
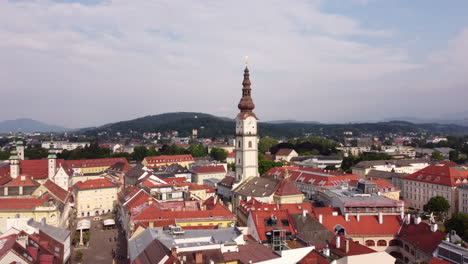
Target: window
[
  {"x": 382, "y": 243},
  {"x": 285, "y": 222},
  {"x": 250, "y": 144},
  {"x": 239, "y": 144},
  {"x": 370, "y": 243}
]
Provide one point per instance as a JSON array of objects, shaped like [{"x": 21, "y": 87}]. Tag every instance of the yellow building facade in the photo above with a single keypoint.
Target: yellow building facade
[{"x": 95, "y": 197}]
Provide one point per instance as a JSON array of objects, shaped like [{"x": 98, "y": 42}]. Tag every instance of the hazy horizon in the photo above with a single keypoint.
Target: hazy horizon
[{"x": 81, "y": 63}]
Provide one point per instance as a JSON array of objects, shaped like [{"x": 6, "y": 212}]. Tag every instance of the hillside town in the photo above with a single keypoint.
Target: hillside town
[{"x": 243, "y": 203}]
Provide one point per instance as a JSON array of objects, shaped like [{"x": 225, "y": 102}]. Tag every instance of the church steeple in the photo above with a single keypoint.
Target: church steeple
[{"x": 246, "y": 103}]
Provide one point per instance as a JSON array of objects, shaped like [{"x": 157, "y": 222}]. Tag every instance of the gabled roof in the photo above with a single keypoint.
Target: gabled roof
[
  {"x": 257, "y": 187},
  {"x": 314, "y": 258},
  {"x": 208, "y": 169},
  {"x": 95, "y": 184},
  {"x": 421, "y": 236},
  {"x": 120, "y": 167},
  {"x": 137, "y": 198},
  {"x": 284, "y": 152},
  {"x": 86, "y": 163},
  {"x": 22, "y": 203},
  {"x": 56, "y": 190},
  {"x": 287, "y": 188},
  {"x": 22, "y": 181},
  {"x": 316, "y": 177},
  {"x": 227, "y": 182},
  {"x": 440, "y": 175},
  {"x": 168, "y": 158}
]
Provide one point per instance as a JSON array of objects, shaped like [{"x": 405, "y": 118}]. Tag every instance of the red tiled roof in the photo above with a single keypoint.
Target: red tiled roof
[
  {"x": 87, "y": 163},
  {"x": 316, "y": 177},
  {"x": 168, "y": 158},
  {"x": 56, "y": 190},
  {"x": 284, "y": 152},
  {"x": 94, "y": 184},
  {"x": 5, "y": 174},
  {"x": 448, "y": 163},
  {"x": 286, "y": 188},
  {"x": 38, "y": 169},
  {"x": 441, "y": 175},
  {"x": 232, "y": 155},
  {"x": 368, "y": 225},
  {"x": 228, "y": 181},
  {"x": 153, "y": 212},
  {"x": 435, "y": 260},
  {"x": 260, "y": 217},
  {"x": 136, "y": 199},
  {"x": 354, "y": 247},
  {"x": 313, "y": 258},
  {"x": 421, "y": 236},
  {"x": 194, "y": 186},
  {"x": 255, "y": 205},
  {"x": 250, "y": 252},
  {"x": 22, "y": 181},
  {"x": 21, "y": 203},
  {"x": 209, "y": 169}
]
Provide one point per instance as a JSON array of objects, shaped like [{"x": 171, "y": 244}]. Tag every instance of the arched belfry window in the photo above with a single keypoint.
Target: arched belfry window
[{"x": 250, "y": 144}]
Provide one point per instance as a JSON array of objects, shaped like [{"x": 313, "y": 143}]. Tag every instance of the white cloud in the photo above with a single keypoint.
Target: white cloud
[{"x": 81, "y": 65}]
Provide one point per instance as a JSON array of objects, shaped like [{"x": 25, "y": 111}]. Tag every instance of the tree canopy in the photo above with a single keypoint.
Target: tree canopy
[
  {"x": 459, "y": 223},
  {"x": 437, "y": 205},
  {"x": 218, "y": 154}
]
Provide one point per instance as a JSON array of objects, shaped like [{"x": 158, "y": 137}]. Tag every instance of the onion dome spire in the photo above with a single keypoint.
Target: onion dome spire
[{"x": 246, "y": 104}]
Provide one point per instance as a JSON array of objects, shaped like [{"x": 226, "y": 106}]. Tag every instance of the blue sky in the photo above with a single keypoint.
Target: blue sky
[{"x": 89, "y": 62}]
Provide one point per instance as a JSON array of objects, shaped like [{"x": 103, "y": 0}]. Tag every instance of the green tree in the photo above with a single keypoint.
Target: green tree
[
  {"x": 459, "y": 223},
  {"x": 197, "y": 150},
  {"x": 437, "y": 205},
  {"x": 311, "y": 153},
  {"x": 4, "y": 155},
  {"x": 265, "y": 143},
  {"x": 36, "y": 153},
  {"x": 139, "y": 153},
  {"x": 436, "y": 155},
  {"x": 265, "y": 165},
  {"x": 218, "y": 154},
  {"x": 173, "y": 150}
]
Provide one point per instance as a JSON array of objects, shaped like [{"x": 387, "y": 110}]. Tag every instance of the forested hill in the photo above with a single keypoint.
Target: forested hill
[{"x": 213, "y": 126}]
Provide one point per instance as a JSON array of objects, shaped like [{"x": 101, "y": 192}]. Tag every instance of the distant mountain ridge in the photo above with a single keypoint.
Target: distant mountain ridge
[
  {"x": 214, "y": 126},
  {"x": 28, "y": 126}
]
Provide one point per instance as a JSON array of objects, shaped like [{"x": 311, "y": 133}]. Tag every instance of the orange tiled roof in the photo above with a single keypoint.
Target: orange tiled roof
[
  {"x": 21, "y": 203},
  {"x": 94, "y": 184},
  {"x": 168, "y": 158},
  {"x": 209, "y": 169},
  {"x": 441, "y": 175},
  {"x": 56, "y": 190}
]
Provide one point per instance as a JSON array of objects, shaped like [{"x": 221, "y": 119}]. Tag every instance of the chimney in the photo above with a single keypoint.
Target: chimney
[
  {"x": 198, "y": 257},
  {"x": 23, "y": 178},
  {"x": 358, "y": 217},
  {"x": 408, "y": 219},
  {"x": 402, "y": 215},
  {"x": 434, "y": 227},
  {"x": 151, "y": 224},
  {"x": 417, "y": 220},
  {"x": 338, "y": 241},
  {"x": 326, "y": 252},
  {"x": 346, "y": 243},
  {"x": 320, "y": 218},
  {"x": 150, "y": 201},
  {"x": 346, "y": 217},
  {"x": 304, "y": 213}
]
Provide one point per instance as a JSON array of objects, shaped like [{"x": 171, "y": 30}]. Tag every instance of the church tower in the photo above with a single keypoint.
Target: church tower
[
  {"x": 246, "y": 135},
  {"x": 52, "y": 161},
  {"x": 20, "y": 146},
  {"x": 14, "y": 164}
]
